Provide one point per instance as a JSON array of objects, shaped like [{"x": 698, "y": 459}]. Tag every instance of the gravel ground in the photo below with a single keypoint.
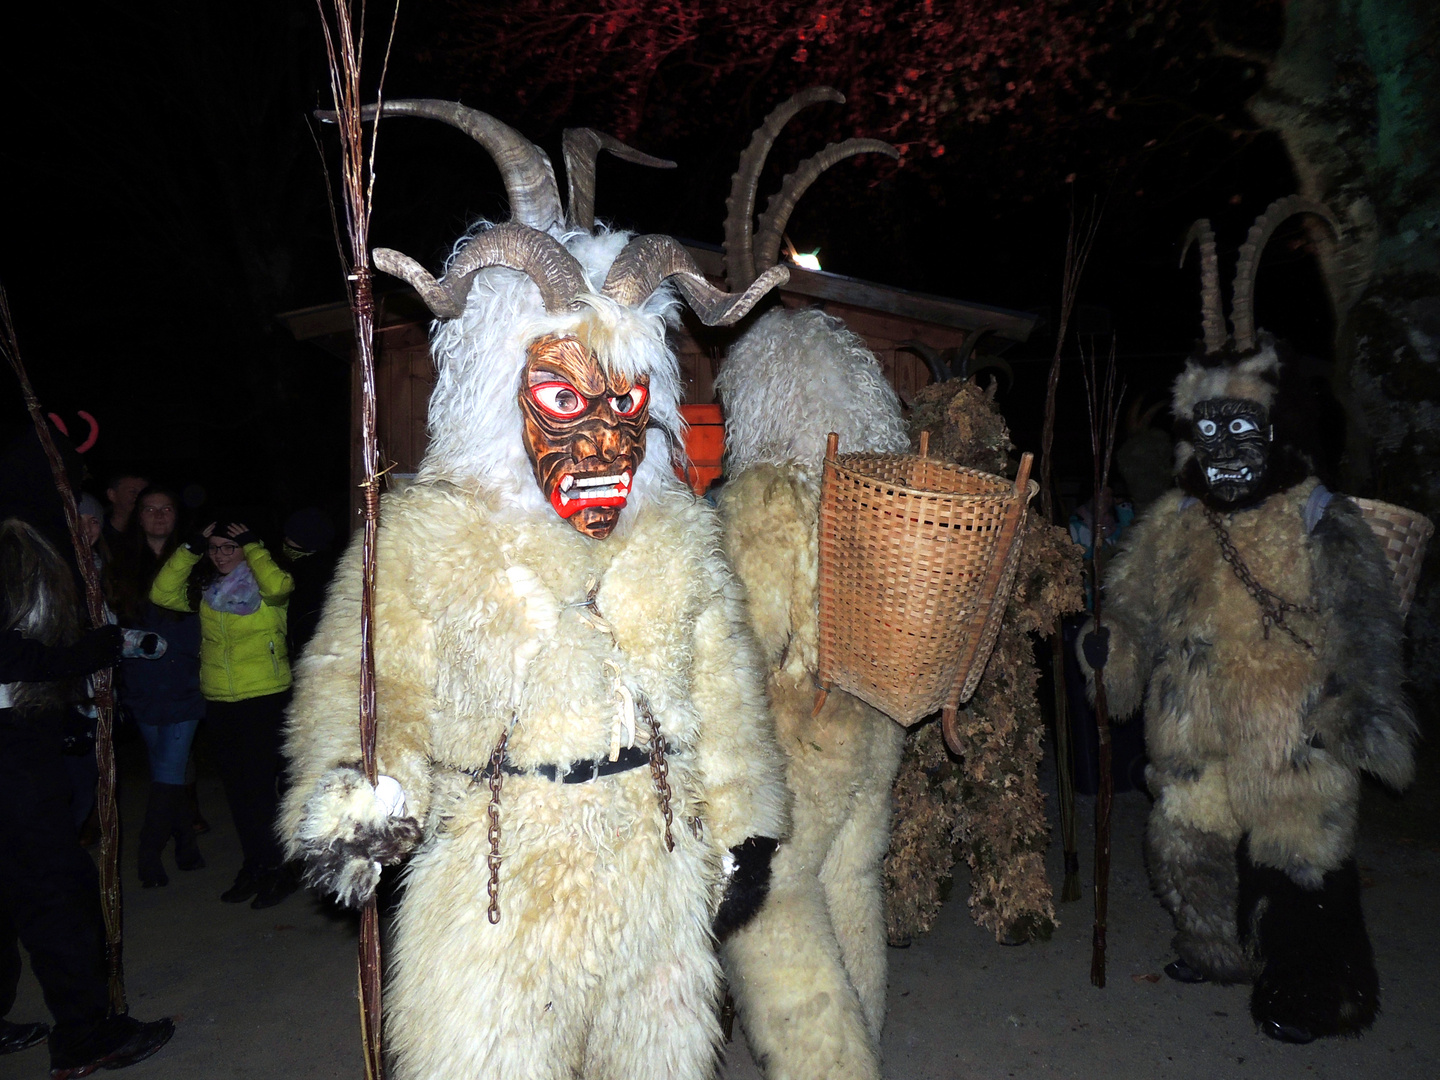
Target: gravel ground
[{"x": 272, "y": 993}]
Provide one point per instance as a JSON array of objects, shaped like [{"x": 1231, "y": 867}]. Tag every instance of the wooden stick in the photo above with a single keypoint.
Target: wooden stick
[
  {"x": 344, "y": 51},
  {"x": 1006, "y": 540},
  {"x": 1103, "y": 402},
  {"x": 111, "y": 905},
  {"x": 1078, "y": 241}
]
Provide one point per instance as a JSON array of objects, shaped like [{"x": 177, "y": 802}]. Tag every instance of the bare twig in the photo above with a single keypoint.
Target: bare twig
[
  {"x": 102, "y": 681},
  {"x": 1078, "y": 242},
  {"x": 1102, "y": 398},
  {"x": 345, "y": 52}
]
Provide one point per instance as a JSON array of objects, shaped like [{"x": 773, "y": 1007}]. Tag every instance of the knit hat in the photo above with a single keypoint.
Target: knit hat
[
  {"x": 89, "y": 506},
  {"x": 309, "y": 529}
]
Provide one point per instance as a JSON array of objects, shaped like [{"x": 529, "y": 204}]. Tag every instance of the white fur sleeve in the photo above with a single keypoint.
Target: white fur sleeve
[
  {"x": 738, "y": 760},
  {"x": 769, "y": 521},
  {"x": 322, "y": 734}
]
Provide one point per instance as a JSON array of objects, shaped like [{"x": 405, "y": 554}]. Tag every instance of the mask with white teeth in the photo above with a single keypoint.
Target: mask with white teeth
[
  {"x": 584, "y": 432},
  {"x": 1232, "y": 446}
]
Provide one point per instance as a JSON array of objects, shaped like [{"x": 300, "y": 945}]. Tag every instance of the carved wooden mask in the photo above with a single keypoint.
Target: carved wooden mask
[{"x": 584, "y": 432}]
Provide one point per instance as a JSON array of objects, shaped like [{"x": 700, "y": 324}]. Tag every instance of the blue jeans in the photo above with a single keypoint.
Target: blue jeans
[{"x": 169, "y": 747}]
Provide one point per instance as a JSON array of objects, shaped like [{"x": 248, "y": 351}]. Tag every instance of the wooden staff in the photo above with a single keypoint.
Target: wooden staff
[
  {"x": 101, "y": 681},
  {"x": 1102, "y": 400},
  {"x": 344, "y": 52},
  {"x": 1078, "y": 242}
]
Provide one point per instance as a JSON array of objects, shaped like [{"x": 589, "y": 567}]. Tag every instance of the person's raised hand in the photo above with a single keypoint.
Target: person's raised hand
[
  {"x": 241, "y": 534},
  {"x": 199, "y": 541}
]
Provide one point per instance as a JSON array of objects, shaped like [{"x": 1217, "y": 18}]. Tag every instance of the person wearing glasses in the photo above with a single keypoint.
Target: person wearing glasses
[{"x": 225, "y": 573}]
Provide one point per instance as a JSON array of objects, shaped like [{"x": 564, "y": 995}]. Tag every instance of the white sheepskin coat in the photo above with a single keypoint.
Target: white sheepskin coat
[
  {"x": 603, "y": 964},
  {"x": 809, "y": 973}
]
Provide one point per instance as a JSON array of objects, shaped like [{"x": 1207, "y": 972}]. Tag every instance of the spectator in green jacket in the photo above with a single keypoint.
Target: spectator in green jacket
[{"x": 225, "y": 573}]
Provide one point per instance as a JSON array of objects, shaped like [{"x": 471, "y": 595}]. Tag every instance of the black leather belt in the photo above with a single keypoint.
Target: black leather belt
[{"x": 579, "y": 772}]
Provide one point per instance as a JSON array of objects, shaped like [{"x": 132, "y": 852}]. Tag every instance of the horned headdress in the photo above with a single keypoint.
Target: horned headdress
[
  {"x": 1244, "y": 364},
  {"x": 536, "y": 274},
  {"x": 795, "y": 376}
]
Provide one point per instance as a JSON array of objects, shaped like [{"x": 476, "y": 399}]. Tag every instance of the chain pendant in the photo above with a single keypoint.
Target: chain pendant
[
  {"x": 497, "y": 779},
  {"x": 660, "y": 772},
  {"x": 1272, "y": 606}
]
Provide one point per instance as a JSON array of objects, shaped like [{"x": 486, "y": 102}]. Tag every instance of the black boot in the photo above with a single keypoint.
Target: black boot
[
  {"x": 1319, "y": 977},
  {"x": 277, "y": 885},
  {"x": 182, "y": 827},
  {"x": 17, "y": 1037},
  {"x": 80, "y": 1050},
  {"x": 153, "y": 835},
  {"x": 247, "y": 884}
]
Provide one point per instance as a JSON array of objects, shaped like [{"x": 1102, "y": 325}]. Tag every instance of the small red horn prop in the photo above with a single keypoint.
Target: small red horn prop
[{"x": 94, "y": 431}]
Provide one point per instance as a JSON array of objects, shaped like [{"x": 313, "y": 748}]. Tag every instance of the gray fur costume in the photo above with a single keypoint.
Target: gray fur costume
[{"x": 1258, "y": 731}]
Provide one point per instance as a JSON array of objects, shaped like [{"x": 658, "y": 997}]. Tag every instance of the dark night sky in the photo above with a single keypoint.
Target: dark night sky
[{"x": 162, "y": 201}]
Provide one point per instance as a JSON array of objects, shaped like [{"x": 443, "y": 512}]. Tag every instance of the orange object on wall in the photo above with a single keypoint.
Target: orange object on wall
[{"x": 704, "y": 444}]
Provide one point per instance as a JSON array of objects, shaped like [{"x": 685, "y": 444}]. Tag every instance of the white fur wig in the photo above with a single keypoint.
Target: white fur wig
[
  {"x": 796, "y": 376},
  {"x": 475, "y": 424}
]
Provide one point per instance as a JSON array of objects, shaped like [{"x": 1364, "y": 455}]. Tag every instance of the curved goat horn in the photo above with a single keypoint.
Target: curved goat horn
[
  {"x": 539, "y": 255},
  {"x": 960, "y": 366},
  {"x": 1212, "y": 308},
  {"x": 740, "y": 206},
  {"x": 778, "y": 209},
  {"x": 581, "y": 147},
  {"x": 529, "y": 177},
  {"x": 939, "y": 371},
  {"x": 648, "y": 261},
  {"x": 1242, "y": 294}
]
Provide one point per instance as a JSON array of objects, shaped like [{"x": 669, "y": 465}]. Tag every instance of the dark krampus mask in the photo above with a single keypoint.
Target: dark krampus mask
[{"x": 1232, "y": 446}]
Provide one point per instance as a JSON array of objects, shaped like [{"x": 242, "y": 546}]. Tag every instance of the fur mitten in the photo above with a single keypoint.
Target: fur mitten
[
  {"x": 348, "y": 833},
  {"x": 748, "y": 886}
]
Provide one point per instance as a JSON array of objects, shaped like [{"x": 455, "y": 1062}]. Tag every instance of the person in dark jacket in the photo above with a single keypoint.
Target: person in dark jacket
[
  {"x": 49, "y": 889},
  {"x": 311, "y": 560},
  {"x": 162, "y": 695}
]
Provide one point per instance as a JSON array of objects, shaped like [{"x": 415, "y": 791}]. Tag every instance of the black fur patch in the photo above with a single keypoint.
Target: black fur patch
[
  {"x": 1319, "y": 973},
  {"x": 1364, "y": 716},
  {"x": 353, "y": 858},
  {"x": 748, "y": 886}
]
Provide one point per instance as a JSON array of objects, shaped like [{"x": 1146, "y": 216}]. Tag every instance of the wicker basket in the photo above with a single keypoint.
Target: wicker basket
[
  {"x": 1403, "y": 534},
  {"x": 917, "y": 558}
]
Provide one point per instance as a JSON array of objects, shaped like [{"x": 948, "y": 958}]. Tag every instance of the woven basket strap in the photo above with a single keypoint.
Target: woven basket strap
[{"x": 1001, "y": 565}]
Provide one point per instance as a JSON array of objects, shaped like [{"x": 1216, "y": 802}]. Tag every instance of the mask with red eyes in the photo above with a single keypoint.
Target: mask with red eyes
[{"x": 584, "y": 432}]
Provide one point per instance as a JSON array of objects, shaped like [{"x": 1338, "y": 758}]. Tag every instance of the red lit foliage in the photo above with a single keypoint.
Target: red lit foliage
[{"x": 913, "y": 72}]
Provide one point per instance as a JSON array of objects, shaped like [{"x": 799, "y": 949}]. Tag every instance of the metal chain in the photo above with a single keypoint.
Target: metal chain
[
  {"x": 1273, "y": 607},
  {"x": 659, "y": 770},
  {"x": 497, "y": 778}
]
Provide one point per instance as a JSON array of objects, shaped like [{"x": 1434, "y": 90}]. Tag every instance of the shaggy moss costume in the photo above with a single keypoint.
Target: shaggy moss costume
[{"x": 988, "y": 803}]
